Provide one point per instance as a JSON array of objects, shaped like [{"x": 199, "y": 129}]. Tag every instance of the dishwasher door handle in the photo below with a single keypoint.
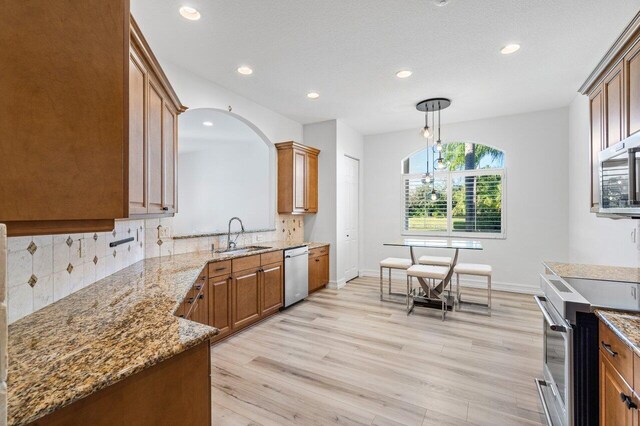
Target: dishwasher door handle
[{"x": 297, "y": 255}]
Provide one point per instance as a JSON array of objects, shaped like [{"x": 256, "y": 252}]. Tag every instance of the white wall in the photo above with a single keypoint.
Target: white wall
[
  {"x": 592, "y": 239},
  {"x": 197, "y": 92},
  {"x": 221, "y": 181},
  {"x": 335, "y": 140},
  {"x": 536, "y": 151},
  {"x": 321, "y": 227}
]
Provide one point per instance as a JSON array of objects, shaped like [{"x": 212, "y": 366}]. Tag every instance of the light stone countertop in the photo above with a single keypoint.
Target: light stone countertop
[
  {"x": 106, "y": 332},
  {"x": 626, "y": 325},
  {"x": 594, "y": 272}
]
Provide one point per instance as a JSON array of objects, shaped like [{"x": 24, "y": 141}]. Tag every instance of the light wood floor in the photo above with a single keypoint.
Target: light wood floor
[{"x": 345, "y": 357}]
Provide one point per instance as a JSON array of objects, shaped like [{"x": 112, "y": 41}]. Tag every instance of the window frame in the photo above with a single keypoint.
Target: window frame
[{"x": 450, "y": 175}]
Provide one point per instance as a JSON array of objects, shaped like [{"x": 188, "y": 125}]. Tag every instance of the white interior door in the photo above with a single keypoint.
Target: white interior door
[{"x": 352, "y": 196}]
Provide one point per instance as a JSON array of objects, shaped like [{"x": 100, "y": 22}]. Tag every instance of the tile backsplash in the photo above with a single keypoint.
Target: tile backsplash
[{"x": 44, "y": 269}]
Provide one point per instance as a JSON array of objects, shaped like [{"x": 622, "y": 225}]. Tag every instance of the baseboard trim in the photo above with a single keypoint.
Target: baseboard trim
[
  {"x": 465, "y": 282},
  {"x": 337, "y": 285}
]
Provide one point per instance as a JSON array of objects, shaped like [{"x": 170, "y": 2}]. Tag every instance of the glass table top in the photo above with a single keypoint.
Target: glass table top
[{"x": 445, "y": 243}]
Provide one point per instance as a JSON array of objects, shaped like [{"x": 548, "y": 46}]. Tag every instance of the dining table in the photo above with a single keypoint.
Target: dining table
[{"x": 435, "y": 243}]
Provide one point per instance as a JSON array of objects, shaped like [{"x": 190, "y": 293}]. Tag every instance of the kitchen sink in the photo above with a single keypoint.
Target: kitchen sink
[{"x": 242, "y": 250}]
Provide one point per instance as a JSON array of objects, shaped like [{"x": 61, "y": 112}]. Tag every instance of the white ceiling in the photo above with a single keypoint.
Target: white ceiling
[{"x": 349, "y": 51}]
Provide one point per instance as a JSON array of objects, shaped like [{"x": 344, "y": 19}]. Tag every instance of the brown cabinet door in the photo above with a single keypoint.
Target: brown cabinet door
[
  {"x": 220, "y": 305},
  {"x": 613, "y": 391},
  {"x": 632, "y": 90},
  {"x": 299, "y": 181},
  {"x": 245, "y": 293},
  {"x": 314, "y": 277},
  {"x": 154, "y": 149},
  {"x": 312, "y": 184},
  {"x": 203, "y": 303},
  {"x": 169, "y": 149},
  {"x": 596, "y": 108},
  {"x": 272, "y": 288},
  {"x": 323, "y": 270},
  {"x": 137, "y": 147},
  {"x": 613, "y": 107}
]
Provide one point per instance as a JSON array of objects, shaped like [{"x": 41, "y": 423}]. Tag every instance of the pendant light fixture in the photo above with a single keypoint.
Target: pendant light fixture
[{"x": 431, "y": 106}]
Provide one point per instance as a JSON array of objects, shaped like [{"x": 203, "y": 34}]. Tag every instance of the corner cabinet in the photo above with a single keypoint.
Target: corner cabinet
[
  {"x": 297, "y": 178},
  {"x": 97, "y": 142},
  {"x": 153, "y": 133}
]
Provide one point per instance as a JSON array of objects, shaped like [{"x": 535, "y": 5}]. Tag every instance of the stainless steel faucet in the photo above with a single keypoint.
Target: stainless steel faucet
[{"x": 229, "y": 242}]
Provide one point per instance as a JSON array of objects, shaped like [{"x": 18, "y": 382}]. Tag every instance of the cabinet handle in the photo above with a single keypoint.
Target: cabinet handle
[
  {"x": 166, "y": 209},
  {"x": 221, "y": 268},
  {"x": 607, "y": 349},
  {"x": 201, "y": 296},
  {"x": 190, "y": 301},
  {"x": 181, "y": 315},
  {"x": 203, "y": 277},
  {"x": 199, "y": 287},
  {"x": 628, "y": 402},
  {"x": 317, "y": 260}
]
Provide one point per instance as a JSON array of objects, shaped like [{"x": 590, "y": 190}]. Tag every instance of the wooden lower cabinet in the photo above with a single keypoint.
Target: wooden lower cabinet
[
  {"x": 271, "y": 284},
  {"x": 318, "y": 268},
  {"x": 176, "y": 391},
  {"x": 618, "y": 405},
  {"x": 245, "y": 297},
  {"x": 220, "y": 305}
]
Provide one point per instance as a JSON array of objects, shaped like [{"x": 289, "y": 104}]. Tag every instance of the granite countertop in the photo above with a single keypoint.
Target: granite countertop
[
  {"x": 626, "y": 325},
  {"x": 594, "y": 272},
  {"x": 106, "y": 332}
]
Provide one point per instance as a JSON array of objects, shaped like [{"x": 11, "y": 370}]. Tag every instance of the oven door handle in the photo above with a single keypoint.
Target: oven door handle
[
  {"x": 545, "y": 407},
  {"x": 547, "y": 316}
]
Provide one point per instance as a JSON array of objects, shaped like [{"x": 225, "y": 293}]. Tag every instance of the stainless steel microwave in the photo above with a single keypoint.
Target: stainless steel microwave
[{"x": 619, "y": 168}]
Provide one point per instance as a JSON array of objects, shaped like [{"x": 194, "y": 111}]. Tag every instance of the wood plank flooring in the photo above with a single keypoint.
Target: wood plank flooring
[{"x": 344, "y": 357}]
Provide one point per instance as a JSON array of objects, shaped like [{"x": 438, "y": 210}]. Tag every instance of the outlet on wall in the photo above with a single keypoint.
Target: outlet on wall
[{"x": 163, "y": 232}]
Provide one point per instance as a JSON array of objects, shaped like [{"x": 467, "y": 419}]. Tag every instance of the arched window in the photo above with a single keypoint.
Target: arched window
[{"x": 465, "y": 196}]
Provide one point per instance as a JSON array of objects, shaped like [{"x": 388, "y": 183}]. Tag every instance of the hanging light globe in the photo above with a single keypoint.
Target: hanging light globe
[{"x": 434, "y": 196}]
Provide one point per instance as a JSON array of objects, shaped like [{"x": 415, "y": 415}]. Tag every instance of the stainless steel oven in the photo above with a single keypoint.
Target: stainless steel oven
[
  {"x": 556, "y": 389},
  {"x": 619, "y": 172}
]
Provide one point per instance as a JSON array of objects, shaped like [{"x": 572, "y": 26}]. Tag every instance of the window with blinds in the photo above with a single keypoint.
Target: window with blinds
[{"x": 468, "y": 202}]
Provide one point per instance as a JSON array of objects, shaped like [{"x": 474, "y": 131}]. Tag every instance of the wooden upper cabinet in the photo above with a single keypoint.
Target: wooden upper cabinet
[
  {"x": 75, "y": 151},
  {"x": 64, "y": 122},
  {"x": 631, "y": 74},
  {"x": 613, "y": 107},
  {"x": 137, "y": 135},
  {"x": 297, "y": 178},
  {"x": 157, "y": 173},
  {"x": 596, "y": 112}
]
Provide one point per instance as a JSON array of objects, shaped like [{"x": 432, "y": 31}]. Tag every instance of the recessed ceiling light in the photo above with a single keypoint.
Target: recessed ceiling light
[
  {"x": 440, "y": 2},
  {"x": 189, "y": 13},
  {"x": 509, "y": 49},
  {"x": 245, "y": 70},
  {"x": 313, "y": 95},
  {"x": 404, "y": 73},
  {"x": 207, "y": 123}
]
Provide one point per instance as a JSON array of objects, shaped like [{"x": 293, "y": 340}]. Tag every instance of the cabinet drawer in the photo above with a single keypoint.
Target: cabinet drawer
[
  {"x": 273, "y": 257},
  {"x": 219, "y": 268},
  {"x": 319, "y": 251},
  {"x": 616, "y": 352},
  {"x": 247, "y": 262}
]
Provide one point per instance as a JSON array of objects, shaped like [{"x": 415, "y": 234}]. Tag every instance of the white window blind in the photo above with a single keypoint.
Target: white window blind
[{"x": 469, "y": 203}]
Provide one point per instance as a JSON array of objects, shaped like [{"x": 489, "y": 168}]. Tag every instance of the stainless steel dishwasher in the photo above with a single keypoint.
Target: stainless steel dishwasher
[{"x": 296, "y": 275}]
